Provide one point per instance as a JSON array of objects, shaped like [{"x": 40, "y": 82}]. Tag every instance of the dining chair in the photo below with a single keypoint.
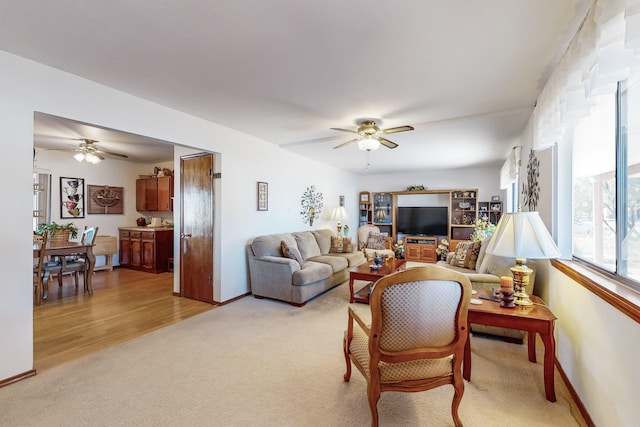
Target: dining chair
[
  {"x": 75, "y": 264},
  {"x": 416, "y": 338},
  {"x": 38, "y": 269}
]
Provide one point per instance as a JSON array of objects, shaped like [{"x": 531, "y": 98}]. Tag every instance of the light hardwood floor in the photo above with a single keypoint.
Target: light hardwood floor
[{"x": 125, "y": 304}]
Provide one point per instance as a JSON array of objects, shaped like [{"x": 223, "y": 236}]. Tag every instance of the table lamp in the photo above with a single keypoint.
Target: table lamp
[
  {"x": 522, "y": 235},
  {"x": 380, "y": 215},
  {"x": 339, "y": 214}
]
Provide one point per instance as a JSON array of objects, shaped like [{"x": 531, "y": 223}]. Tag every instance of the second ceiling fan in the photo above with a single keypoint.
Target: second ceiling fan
[{"x": 370, "y": 136}]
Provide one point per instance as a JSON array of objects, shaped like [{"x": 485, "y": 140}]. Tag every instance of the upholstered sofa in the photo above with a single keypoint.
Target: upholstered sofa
[
  {"x": 485, "y": 274},
  {"x": 312, "y": 265}
]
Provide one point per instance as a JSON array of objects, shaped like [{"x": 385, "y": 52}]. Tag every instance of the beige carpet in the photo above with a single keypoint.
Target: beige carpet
[{"x": 265, "y": 363}]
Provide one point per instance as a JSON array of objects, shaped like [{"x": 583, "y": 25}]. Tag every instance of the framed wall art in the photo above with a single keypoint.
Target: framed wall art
[
  {"x": 103, "y": 199},
  {"x": 263, "y": 196},
  {"x": 71, "y": 197}
]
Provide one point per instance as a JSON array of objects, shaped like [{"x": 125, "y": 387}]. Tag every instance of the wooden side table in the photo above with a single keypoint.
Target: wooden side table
[
  {"x": 536, "y": 319},
  {"x": 363, "y": 272}
]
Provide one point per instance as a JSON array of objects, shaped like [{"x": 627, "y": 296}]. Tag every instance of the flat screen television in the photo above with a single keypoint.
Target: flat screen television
[{"x": 427, "y": 221}]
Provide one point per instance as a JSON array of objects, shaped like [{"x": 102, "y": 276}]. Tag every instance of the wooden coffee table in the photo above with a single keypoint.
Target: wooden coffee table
[
  {"x": 536, "y": 319},
  {"x": 363, "y": 272}
]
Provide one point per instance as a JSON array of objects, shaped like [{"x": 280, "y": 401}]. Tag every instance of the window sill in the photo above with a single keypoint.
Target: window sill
[{"x": 615, "y": 293}]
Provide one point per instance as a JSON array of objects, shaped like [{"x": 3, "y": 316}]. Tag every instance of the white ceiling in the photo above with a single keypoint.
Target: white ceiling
[{"x": 465, "y": 73}]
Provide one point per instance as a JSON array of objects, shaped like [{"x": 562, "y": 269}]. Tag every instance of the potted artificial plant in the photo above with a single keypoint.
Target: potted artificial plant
[{"x": 58, "y": 232}]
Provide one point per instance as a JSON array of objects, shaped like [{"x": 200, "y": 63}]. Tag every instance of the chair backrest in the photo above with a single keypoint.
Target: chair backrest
[
  {"x": 37, "y": 269},
  {"x": 419, "y": 313},
  {"x": 89, "y": 235},
  {"x": 363, "y": 234}
]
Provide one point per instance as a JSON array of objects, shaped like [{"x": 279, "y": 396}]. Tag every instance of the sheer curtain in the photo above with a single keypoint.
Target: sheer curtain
[{"x": 605, "y": 50}]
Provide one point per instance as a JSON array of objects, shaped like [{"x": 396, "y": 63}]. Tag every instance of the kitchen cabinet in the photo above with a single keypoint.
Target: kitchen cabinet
[
  {"x": 154, "y": 194},
  {"x": 146, "y": 249}
]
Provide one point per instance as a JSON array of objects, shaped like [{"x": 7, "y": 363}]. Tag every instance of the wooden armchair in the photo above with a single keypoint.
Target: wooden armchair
[{"x": 417, "y": 335}]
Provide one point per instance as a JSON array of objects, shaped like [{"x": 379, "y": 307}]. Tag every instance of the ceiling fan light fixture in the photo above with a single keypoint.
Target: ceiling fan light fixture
[
  {"x": 368, "y": 144},
  {"x": 92, "y": 158},
  {"x": 79, "y": 156}
]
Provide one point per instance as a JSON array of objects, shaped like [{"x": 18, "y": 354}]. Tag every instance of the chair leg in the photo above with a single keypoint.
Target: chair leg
[
  {"x": 458, "y": 391},
  {"x": 75, "y": 276},
  {"x": 347, "y": 375},
  {"x": 60, "y": 278},
  {"x": 374, "y": 396},
  {"x": 38, "y": 291}
]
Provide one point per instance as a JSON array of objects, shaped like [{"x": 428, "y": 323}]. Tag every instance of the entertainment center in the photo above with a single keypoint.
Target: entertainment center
[{"x": 423, "y": 218}]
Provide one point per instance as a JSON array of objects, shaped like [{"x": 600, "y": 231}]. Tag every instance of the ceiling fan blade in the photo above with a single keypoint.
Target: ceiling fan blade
[
  {"x": 347, "y": 143},
  {"x": 386, "y": 142},
  {"x": 109, "y": 153},
  {"x": 346, "y": 130},
  {"x": 396, "y": 129}
]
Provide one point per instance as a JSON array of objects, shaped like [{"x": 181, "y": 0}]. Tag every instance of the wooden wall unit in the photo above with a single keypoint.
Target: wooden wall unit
[
  {"x": 463, "y": 212},
  {"x": 462, "y": 203},
  {"x": 364, "y": 209}
]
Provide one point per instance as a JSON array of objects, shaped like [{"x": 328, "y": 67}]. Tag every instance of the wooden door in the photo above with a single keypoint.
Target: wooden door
[{"x": 196, "y": 228}]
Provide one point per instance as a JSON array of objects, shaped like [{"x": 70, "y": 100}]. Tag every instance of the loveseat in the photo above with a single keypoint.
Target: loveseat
[
  {"x": 484, "y": 272},
  {"x": 314, "y": 262}
]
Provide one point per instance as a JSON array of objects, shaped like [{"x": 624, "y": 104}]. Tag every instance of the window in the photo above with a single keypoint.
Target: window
[{"x": 606, "y": 183}]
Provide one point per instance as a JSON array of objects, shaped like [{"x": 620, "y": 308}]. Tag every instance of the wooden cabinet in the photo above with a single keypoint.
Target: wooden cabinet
[
  {"x": 146, "y": 249},
  {"x": 464, "y": 213},
  {"x": 420, "y": 248},
  {"x": 154, "y": 194}
]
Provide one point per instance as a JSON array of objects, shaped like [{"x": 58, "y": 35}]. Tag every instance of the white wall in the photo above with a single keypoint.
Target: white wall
[
  {"x": 27, "y": 87},
  {"x": 486, "y": 180}
]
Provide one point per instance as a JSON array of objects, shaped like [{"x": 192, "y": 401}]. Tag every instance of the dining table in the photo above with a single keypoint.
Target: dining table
[{"x": 68, "y": 249}]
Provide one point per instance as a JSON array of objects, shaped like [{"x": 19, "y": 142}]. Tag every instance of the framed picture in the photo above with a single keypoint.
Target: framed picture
[
  {"x": 103, "y": 199},
  {"x": 495, "y": 198},
  {"x": 263, "y": 196},
  {"x": 364, "y": 197},
  {"x": 71, "y": 197}
]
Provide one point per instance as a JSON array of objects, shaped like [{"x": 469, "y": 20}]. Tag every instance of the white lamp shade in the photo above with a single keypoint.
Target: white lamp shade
[
  {"x": 522, "y": 235},
  {"x": 339, "y": 214}
]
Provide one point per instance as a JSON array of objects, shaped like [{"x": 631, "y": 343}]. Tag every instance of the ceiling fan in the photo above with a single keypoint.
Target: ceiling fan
[
  {"x": 370, "y": 136},
  {"x": 87, "y": 151}
]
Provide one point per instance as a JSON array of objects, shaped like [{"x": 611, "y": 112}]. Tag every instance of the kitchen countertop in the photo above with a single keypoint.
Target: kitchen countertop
[{"x": 145, "y": 228}]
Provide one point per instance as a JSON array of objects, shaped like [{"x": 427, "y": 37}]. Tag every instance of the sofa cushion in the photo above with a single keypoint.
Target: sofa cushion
[
  {"x": 466, "y": 255},
  {"x": 269, "y": 245},
  {"x": 311, "y": 272},
  {"x": 377, "y": 240},
  {"x": 291, "y": 252},
  {"x": 353, "y": 258},
  {"x": 336, "y": 263},
  {"x": 307, "y": 244},
  {"x": 323, "y": 238}
]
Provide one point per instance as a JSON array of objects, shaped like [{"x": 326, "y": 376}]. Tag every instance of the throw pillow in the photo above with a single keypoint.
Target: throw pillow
[
  {"x": 341, "y": 245},
  {"x": 466, "y": 255},
  {"x": 377, "y": 240},
  {"x": 292, "y": 253}
]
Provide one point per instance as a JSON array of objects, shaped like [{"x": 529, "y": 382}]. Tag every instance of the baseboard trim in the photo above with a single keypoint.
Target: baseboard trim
[
  {"x": 16, "y": 378},
  {"x": 574, "y": 395},
  {"x": 229, "y": 301}
]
